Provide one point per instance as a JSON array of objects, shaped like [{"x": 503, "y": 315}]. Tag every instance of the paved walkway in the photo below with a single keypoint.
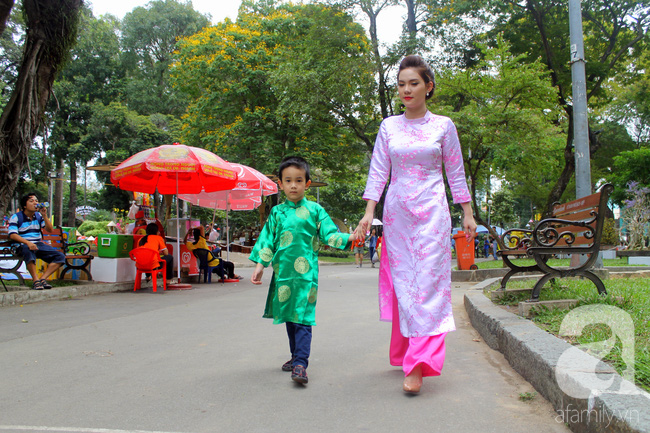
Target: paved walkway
[{"x": 204, "y": 360}]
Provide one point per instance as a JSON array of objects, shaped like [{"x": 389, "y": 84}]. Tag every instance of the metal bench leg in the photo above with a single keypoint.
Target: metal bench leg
[
  {"x": 534, "y": 297},
  {"x": 596, "y": 280},
  {"x": 507, "y": 276}
]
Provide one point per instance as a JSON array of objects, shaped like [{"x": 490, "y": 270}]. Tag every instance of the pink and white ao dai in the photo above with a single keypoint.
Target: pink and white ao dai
[{"x": 416, "y": 248}]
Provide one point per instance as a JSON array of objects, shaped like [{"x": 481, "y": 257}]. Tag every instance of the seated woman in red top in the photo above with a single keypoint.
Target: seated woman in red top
[{"x": 155, "y": 242}]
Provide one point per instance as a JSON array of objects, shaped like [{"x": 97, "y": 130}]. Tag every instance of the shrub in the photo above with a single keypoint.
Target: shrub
[
  {"x": 610, "y": 234},
  {"x": 93, "y": 228},
  {"x": 332, "y": 252}
]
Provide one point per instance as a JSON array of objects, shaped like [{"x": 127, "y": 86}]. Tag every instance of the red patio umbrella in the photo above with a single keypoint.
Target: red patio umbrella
[{"x": 174, "y": 169}]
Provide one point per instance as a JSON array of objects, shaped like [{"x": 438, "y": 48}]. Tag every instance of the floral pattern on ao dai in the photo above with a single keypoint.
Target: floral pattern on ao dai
[{"x": 416, "y": 254}]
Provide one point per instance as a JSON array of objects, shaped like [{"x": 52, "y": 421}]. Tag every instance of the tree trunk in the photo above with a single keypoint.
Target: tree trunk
[
  {"x": 379, "y": 66},
  {"x": 51, "y": 31},
  {"x": 72, "y": 201},
  {"x": 58, "y": 194},
  {"x": 411, "y": 26},
  {"x": 5, "y": 11}
]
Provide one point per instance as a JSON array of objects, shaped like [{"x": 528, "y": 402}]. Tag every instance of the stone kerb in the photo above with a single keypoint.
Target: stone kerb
[{"x": 541, "y": 359}]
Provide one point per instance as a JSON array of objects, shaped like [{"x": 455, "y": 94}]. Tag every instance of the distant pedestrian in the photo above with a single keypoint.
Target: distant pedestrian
[
  {"x": 357, "y": 248},
  {"x": 289, "y": 242},
  {"x": 486, "y": 247},
  {"x": 495, "y": 246},
  {"x": 372, "y": 246}
]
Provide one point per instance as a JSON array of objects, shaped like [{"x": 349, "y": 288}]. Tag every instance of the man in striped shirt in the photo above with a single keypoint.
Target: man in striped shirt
[{"x": 25, "y": 228}]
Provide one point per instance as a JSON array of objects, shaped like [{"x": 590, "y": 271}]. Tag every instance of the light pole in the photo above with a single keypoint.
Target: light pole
[{"x": 489, "y": 211}]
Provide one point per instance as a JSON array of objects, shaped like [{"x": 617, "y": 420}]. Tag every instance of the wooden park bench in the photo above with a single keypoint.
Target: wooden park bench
[
  {"x": 9, "y": 253},
  {"x": 74, "y": 251},
  {"x": 58, "y": 239},
  {"x": 573, "y": 228}
]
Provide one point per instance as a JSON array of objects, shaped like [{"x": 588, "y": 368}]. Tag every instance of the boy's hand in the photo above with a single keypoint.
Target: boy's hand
[{"x": 256, "y": 278}]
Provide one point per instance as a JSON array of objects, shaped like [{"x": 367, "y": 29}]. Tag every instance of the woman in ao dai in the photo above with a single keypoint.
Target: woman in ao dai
[{"x": 415, "y": 266}]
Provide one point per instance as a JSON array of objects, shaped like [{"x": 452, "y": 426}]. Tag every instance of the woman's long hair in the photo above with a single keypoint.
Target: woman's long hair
[
  {"x": 197, "y": 235},
  {"x": 152, "y": 229}
]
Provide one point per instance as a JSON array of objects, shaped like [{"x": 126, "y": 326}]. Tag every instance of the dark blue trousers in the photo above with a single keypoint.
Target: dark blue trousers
[{"x": 299, "y": 342}]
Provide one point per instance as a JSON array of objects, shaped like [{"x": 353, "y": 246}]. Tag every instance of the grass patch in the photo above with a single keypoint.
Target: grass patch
[
  {"x": 28, "y": 283},
  {"x": 630, "y": 295},
  {"x": 327, "y": 259},
  {"x": 495, "y": 264}
]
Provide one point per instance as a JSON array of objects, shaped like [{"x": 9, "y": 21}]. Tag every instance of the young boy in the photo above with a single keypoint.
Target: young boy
[{"x": 290, "y": 242}]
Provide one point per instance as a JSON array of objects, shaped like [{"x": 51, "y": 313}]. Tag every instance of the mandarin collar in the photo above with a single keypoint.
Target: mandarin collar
[
  {"x": 295, "y": 205},
  {"x": 428, "y": 115}
]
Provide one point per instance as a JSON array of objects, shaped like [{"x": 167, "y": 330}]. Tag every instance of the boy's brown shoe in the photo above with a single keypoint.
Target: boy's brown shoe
[{"x": 299, "y": 374}]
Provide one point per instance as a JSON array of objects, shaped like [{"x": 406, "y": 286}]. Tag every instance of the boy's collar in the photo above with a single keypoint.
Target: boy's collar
[{"x": 292, "y": 204}]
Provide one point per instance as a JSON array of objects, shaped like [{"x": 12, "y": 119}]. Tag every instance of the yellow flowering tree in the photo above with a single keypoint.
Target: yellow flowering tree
[{"x": 292, "y": 79}]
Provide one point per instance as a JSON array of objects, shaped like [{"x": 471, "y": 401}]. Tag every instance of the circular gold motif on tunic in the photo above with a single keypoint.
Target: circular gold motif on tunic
[
  {"x": 314, "y": 243},
  {"x": 335, "y": 241},
  {"x": 312, "y": 295},
  {"x": 276, "y": 268},
  {"x": 284, "y": 293},
  {"x": 286, "y": 238},
  {"x": 301, "y": 265},
  {"x": 302, "y": 212},
  {"x": 266, "y": 254}
]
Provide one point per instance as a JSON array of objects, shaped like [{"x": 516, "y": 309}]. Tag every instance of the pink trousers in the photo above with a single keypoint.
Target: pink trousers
[{"x": 429, "y": 352}]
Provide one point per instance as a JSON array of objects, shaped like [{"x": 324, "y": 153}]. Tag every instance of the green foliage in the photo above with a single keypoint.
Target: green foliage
[
  {"x": 616, "y": 38},
  {"x": 610, "y": 234},
  {"x": 503, "y": 209},
  {"x": 149, "y": 36},
  {"x": 630, "y": 166},
  {"x": 93, "y": 228},
  {"x": 11, "y": 41},
  {"x": 270, "y": 85},
  {"x": 504, "y": 112},
  {"x": 99, "y": 215},
  {"x": 343, "y": 200},
  {"x": 326, "y": 251}
]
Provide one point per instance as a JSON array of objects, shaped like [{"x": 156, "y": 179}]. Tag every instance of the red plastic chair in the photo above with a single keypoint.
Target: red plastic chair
[{"x": 143, "y": 258}]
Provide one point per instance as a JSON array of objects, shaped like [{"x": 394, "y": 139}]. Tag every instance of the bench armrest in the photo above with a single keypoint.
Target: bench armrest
[
  {"x": 77, "y": 248},
  {"x": 550, "y": 231},
  {"x": 517, "y": 239}
]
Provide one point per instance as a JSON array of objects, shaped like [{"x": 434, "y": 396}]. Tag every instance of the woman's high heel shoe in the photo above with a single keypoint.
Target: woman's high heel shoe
[{"x": 413, "y": 382}]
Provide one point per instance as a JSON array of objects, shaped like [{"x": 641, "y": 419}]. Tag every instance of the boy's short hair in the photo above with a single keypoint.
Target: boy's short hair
[
  {"x": 294, "y": 161},
  {"x": 24, "y": 199}
]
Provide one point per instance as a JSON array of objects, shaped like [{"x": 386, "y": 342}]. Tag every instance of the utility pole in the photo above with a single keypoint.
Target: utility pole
[{"x": 580, "y": 120}]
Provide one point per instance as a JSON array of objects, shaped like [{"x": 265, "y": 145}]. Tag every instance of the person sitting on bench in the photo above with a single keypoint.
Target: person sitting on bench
[{"x": 25, "y": 228}]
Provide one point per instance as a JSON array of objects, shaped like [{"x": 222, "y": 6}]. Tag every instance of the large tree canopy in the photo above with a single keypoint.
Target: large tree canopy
[
  {"x": 615, "y": 32},
  {"x": 504, "y": 112},
  {"x": 292, "y": 79}
]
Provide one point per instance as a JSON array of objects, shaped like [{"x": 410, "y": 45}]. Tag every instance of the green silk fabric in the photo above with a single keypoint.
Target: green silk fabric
[{"x": 290, "y": 241}]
